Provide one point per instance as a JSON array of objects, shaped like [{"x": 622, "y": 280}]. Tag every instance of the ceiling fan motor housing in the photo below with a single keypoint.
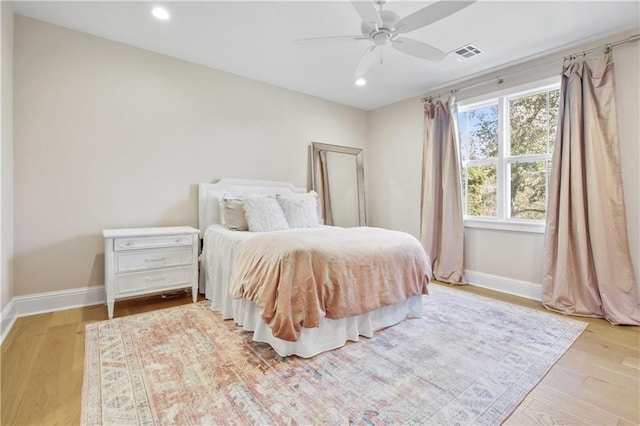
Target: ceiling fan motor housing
[{"x": 381, "y": 35}]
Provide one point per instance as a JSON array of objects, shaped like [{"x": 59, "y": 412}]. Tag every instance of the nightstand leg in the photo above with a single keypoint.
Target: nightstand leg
[
  {"x": 110, "y": 303},
  {"x": 194, "y": 292}
]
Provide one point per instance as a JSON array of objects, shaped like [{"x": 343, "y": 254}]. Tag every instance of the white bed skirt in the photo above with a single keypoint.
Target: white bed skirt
[{"x": 330, "y": 335}]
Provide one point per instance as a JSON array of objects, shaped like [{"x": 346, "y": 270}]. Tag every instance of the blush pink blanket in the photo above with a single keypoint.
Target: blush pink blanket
[{"x": 298, "y": 278}]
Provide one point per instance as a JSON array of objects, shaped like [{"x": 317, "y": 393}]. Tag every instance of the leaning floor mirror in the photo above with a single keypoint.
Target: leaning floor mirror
[{"x": 338, "y": 178}]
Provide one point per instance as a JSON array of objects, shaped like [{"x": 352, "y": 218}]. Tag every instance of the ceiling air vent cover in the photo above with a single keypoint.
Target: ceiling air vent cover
[{"x": 466, "y": 52}]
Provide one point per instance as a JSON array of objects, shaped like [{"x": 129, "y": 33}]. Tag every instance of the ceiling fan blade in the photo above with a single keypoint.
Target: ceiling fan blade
[
  {"x": 367, "y": 11},
  {"x": 365, "y": 61},
  {"x": 430, "y": 14},
  {"x": 332, "y": 39},
  {"x": 418, "y": 49}
]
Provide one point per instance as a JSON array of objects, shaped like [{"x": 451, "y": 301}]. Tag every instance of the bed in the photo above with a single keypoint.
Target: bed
[{"x": 230, "y": 282}]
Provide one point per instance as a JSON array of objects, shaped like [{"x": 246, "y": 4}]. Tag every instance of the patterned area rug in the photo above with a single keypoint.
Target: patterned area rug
[{"x": 468, "y": 360}]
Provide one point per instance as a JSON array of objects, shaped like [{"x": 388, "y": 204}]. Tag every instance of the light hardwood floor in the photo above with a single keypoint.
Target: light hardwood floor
[{"x": 596, "y": 382}]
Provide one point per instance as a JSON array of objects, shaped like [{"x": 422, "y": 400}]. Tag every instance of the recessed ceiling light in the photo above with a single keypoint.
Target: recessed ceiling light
[
  {"x": 361, "y": 82},
  {"x": 160, "y": 13}
]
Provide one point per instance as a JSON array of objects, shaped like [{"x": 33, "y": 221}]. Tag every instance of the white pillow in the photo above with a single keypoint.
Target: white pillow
[
  {"x": 300, "y": 210},
  {"x": 264, "y": 214}
]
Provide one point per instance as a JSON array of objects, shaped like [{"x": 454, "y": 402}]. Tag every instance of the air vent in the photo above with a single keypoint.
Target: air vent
[{"x": 466, "y": 52}]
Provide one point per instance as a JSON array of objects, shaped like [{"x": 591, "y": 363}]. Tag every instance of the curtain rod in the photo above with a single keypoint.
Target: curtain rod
[{"x": 500, "y": 79}]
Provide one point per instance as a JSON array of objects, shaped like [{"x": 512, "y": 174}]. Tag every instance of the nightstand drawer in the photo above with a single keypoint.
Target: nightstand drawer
[
  {"x": 159, "y": 258},
  {"x": 151, "y": 242},
  {"x": 136, "y": 281}
]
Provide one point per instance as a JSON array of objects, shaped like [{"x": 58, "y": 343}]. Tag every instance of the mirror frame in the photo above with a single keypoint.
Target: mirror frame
[{"x": 318, "y": 147}]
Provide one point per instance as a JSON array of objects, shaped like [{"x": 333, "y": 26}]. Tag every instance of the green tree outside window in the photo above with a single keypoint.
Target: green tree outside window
[{"x": 526, "y": 127}]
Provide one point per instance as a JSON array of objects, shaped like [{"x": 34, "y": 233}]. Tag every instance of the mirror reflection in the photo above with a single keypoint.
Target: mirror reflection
[{"x": 338, "y": 178}]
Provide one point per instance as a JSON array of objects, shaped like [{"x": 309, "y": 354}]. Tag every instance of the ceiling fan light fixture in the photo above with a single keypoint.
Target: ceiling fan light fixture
[
  {"x": 361, "y": 82},
  {"x": 160, "y": 13}
]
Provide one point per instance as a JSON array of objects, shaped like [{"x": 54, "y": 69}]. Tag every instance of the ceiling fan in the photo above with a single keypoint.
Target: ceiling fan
[{"x": 384, "y": 27}]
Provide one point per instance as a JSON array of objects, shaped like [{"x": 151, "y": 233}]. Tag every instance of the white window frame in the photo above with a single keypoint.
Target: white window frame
[{"x": 503, "y": 221}]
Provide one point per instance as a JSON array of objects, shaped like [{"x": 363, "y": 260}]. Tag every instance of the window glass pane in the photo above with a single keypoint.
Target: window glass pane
[
  {"x": 481, "y": 191},
  {"x": 529, "y": 124},
  {"x": 479, "y": 133},
  {"x": 528, "y": 190}
]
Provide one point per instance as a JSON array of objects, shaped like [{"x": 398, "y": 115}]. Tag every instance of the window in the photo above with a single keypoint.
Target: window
[{"x": 506, "y": 142}]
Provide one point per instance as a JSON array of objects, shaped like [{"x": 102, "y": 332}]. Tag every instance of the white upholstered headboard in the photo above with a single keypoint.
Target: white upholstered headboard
[{"x": 209, "y": 195}]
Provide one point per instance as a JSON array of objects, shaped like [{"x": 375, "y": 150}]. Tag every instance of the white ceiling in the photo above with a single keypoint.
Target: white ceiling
[{"x": 256, "y": 39}]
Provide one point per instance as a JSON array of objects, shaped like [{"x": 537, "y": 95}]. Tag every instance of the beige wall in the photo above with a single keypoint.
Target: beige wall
[
  {"x": 108, "y": 135},
  {"x": 6, "y": 154},
  {"x": 395, "y": 161}
]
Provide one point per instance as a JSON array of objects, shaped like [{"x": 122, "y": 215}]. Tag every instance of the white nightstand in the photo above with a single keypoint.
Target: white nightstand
[{"x": 141, "y": 261}]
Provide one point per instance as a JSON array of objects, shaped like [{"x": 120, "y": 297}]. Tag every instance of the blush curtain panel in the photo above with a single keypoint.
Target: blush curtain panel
[
  {"x": 441, "y": 226},
  {"x": 587, "y": 265}
]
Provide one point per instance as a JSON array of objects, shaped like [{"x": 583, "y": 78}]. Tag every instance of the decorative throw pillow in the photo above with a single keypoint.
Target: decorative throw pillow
[
  {"x": 264, "y": 214},
  {"x": 300, "y": 210},
  {"x": 232, "y": 214}
]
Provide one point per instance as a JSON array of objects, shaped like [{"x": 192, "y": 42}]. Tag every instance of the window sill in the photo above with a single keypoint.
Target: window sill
[{"x": 536, "y": 227}]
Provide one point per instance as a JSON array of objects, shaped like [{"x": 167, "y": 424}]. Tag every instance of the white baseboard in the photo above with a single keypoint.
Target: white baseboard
[
  {"x": 22, "y": 306},
  {"x": 7, "y": 319},
  {"x": 520, "y": 288}
]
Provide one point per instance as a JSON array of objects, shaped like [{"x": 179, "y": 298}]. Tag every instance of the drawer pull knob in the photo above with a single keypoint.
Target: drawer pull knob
[
  {"x": 179, "y": 240},
  {"x": 150, "y": 279},
  {"x": 158, "y": 259},
  {"x": 128, "y": 244}
]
